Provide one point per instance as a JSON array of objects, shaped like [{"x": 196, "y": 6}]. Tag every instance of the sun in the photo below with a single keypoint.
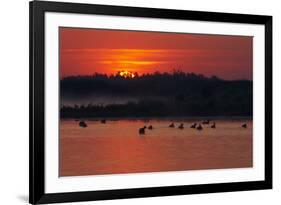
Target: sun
[{"x": 126, "y": 74}]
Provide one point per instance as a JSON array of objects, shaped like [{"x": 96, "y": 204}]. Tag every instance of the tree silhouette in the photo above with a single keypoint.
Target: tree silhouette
[{"x": 157, "y": 94}]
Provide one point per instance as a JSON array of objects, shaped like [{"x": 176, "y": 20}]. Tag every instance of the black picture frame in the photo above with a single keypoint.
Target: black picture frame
[{"x": 37, "y": 194}]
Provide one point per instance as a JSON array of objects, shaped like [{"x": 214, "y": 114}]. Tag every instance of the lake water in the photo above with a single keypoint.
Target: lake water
[{"x": 117, "y": 147}]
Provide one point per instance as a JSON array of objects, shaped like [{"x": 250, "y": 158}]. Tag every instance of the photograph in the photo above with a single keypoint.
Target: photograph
[
  {"x": 147, "y": 101},
  {"x": 132, "y": 102}
]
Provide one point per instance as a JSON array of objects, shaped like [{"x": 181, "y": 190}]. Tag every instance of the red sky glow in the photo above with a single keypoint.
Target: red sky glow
[{"x": 86, "y": 51}]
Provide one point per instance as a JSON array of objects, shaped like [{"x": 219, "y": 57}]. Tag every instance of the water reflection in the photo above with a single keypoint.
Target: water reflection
[{"x": 117, "y": 146}]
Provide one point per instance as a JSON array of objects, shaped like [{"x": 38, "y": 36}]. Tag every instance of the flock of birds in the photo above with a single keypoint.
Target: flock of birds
[{"x": 197, "y": 126}]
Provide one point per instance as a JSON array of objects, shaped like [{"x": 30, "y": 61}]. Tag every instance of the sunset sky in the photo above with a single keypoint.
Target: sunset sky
[{"x": 86, "y": 51}]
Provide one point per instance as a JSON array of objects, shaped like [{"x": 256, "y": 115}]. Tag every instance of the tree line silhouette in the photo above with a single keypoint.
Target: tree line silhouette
[{"x": 157, "y": 95}]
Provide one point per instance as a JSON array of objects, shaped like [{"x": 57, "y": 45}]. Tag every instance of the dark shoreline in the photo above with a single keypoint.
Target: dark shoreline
[{"x": 163, "y": 118}]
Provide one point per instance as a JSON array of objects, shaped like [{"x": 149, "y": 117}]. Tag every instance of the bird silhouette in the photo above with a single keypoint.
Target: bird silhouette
[
  {"x": 181, "y": 126},
  {"x": 199, "y": 127},
  {"x": 193, "y": 126},
  {"x": 172, "y": 125},
  {"x": 142, "y": 130},
  {"x": 82, "y": 124}
]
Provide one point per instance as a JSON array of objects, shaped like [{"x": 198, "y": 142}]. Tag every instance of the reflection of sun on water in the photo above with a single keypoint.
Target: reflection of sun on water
[{"x": 126, "y": 74}]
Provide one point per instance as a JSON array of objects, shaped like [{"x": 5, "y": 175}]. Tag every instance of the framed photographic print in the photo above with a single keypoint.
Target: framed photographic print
[{"x": 141, "y": 102}]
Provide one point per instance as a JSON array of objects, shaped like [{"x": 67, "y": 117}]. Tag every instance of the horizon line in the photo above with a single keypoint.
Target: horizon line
[{"x": 175, "y": 71}]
